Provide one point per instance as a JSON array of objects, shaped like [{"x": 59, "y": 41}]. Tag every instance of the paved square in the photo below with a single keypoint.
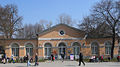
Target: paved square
[{"x": 64, "y": 64}]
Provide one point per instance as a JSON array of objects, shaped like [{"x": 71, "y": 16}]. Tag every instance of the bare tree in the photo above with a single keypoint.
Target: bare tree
[
  {"x": 32, "y": 30},
  {"x": 10, "y": 22},
  {"x": 88, "y": 24},
  {"x": 65, "y": 19},
  {"x": 107, "y": 10}
]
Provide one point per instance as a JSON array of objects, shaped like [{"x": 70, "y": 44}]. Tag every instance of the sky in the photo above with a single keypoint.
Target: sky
[{"x": 33, "y": 11}]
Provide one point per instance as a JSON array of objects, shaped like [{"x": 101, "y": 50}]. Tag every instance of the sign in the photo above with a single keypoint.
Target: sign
[{"x": 71, "y": 57}]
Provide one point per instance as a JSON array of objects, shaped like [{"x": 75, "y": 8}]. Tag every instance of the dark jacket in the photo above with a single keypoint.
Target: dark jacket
[
  {"x": 80, "y": 57},
  {"x": 36, "y": 58}
]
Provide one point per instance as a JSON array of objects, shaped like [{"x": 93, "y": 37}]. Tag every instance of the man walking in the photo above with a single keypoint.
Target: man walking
[
  {"x": 36, "y": 59},
  {"x": 81, "y": 59}
]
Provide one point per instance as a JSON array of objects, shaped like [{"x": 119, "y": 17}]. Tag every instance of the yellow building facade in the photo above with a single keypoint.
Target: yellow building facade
[{"x": 60, "y": 39}]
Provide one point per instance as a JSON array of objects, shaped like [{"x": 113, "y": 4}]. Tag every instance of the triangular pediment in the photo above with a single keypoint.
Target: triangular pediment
[{"x": 62, "y": 31}]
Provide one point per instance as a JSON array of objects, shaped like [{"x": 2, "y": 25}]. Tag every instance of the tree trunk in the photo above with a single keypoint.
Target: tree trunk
[{"x": 113, "y": 44}]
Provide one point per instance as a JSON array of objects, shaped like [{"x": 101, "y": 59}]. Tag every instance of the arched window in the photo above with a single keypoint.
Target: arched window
[
  {"x": 94, "y": 48},
  {"x": 48, "y": 49},
  {"x": 76, "y": 48},
  {"x": 29, "y": 49},
  {"x": 108, "y": 47},
  {"x": 15, "y": 49},
  {"x": 62, "y": 48}
]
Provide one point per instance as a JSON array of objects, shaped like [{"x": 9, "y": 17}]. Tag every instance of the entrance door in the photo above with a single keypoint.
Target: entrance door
[{"x": 62, "y": 48}]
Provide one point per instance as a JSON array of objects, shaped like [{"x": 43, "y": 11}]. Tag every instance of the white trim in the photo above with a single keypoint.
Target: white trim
[
  {"x": 22, "y": 46},
  {"x": 60, "y": 38}
]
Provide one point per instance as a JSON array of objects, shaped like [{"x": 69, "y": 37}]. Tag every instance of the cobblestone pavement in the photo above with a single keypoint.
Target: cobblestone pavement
[{"x": 63, "y": 64}]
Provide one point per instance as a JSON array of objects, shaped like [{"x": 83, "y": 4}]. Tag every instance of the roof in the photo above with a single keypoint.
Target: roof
[{"x": 57, "y": 26}]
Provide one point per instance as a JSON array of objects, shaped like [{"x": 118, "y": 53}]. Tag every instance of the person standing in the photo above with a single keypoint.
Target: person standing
[
  {"x": 36, "y": 59},
  {"x": 62, "y": 56},
  {"x": 12, "y": 57},
  {"x": 81, "y": 59},
  {"x": 4, "y": 58},
  {"x": 28, "y": 58},
  {"x": 52, "y": 57}
]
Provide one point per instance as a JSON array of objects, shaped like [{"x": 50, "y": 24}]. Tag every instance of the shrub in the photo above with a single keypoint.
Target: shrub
[{"x": 41, "y": 60}]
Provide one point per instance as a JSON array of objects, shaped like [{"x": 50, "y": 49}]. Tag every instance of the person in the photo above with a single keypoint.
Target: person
[
  {"x": 4, "y": 58},
  {"x": 118, "y": 58},
  {"x": 52, "y": 57},
  {"x": 12, "y": 57},
  {"x": 101, "y": 58},
  {"x": 62, "y": 56},
  {"x": 81, "y": 59},
  {"x": 28, "y": 58},
  {"x": 36, "y": 60},
  {"x": 108, "y": 58}
]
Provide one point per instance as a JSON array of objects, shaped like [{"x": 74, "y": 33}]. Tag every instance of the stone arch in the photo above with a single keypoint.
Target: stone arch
[
  {"x": 15, "y": 48},
  {"x": 14, "y": 43},
  {"x": 47, "y": 50},
  {"x": 29, "y": 48},
  {"x": 62, "y": 42},
  {"x": 95, "y": 48},
  {"x": 29, "y": 42},
  {"x": 76, "y": 49},
  {"x": 108, "y": 46},
  {"x": 47, "y": 42}
]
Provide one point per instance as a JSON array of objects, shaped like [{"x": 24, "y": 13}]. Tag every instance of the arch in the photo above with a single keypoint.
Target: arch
[
  {"x": 46, "y": 42},
  {"x": 95, "y": 41},
  {"x": 107, "y": 42},
  {"x": 14, "y": 43},
  {"x": 15, "y": 49},
  {"x": 108, "y": 46},
  {"x": 76, "y": 49},
  {"x": 47, "y": 50},
  {"x": 29, "y": 48},
  {"x": 61, "y": 42},
  {"x": 76, "y": 42},
  {"x": 95, "y": 48},
  {"x": 29, "y": 42},
  {"x": 62, "y": 47}
]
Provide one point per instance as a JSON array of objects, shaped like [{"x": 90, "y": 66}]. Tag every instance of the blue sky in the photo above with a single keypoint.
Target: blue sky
[{"x": 35, "y": 10}]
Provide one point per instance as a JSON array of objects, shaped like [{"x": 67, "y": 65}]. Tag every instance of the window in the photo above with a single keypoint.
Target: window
[
  {"x": 48, "y": 49},
  {"x": 62, "y": 48},
  {"x": 76, "y": 48},
  {"x": 15, "y": 49},
  {"x": 94, "y": 48},
  {"x": 61, "y": 32},
  {"x": 29, "y": 49},
  {"x": 108, "y": 47}
]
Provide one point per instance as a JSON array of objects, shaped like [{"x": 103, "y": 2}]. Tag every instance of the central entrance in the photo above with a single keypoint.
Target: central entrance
[{"x": 62, "y": 49}]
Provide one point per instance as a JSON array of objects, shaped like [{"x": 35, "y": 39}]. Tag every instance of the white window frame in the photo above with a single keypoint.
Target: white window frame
[
  {"x": 108, "y": 48},
  {"x": 94, "y": 48}
]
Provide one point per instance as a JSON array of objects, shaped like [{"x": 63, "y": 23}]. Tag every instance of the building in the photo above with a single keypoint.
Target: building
[{"x": 60, "y": 39}]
